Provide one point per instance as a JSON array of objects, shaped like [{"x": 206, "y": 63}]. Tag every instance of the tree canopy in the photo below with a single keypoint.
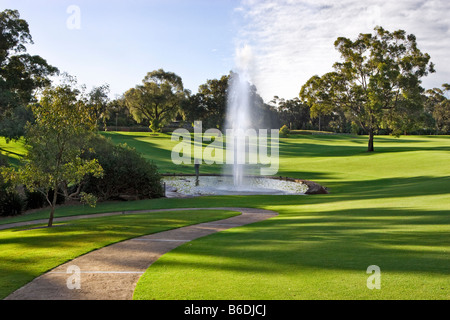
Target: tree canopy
[
  {"x": 208, "y": 104},
  {"x": 437, "y": 107},
  {"x": 157, "y": 100},
  {"x": 56, "y": 142},
  {"x": 21, "y": 74},
  {"x": 378, "y": 83}
]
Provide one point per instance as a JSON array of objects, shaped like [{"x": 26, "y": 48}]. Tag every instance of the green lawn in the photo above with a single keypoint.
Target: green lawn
[
  {"x": 14, "y": 150},
  {"x": 27, "y": 252},
  {"x": 389, "y": 208}
]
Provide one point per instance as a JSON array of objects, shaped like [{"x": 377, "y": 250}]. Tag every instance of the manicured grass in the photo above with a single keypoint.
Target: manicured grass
[
  {"x": 310, "y": 132},
  {"x": 389, "y": 208},
  {"x": 27, "y": 252},
  {"x": 315, "y": 249},
  {"x": 157, "y": 147},
  {"x": 14, "y": 150}
]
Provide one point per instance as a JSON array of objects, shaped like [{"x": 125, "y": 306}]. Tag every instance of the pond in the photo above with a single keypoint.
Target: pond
[{"x": 185, "y": 186}]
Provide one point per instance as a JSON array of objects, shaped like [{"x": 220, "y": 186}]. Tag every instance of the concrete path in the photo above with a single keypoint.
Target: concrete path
[{"x": 111, "y": 273}]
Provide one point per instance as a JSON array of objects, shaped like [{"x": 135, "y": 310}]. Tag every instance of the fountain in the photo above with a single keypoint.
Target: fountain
[
  {"x": 237, "y": 178},
  {"x": 178, "y": 186},
  {"x": 239, "y": 117}
]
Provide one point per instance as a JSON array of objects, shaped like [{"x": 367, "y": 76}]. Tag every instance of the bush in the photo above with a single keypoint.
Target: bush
[
  {"x": 11, "y": 203},
  {"x": 60, "y": 198},
  {"x": 284, "y": 131},
  {"x": 155, "y": 125},
  {"x": 126, "y": 174},
  {"x": 36, "y": 199}
]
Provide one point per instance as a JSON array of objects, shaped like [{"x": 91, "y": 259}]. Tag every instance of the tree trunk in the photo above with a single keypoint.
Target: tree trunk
[
  {"x": 370, "y": 146},
  {"x": 53, "y": 205},
  {"x": 50, "y": 219}
]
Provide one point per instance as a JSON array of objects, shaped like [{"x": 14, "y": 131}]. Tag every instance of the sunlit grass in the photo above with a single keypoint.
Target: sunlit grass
[
  {"x": 27, "y": 252},
  {"x": 388, "y": 208},
  {"x": 14, "y": 150}
]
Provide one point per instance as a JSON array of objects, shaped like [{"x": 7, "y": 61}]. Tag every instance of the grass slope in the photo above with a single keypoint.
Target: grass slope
[
  {"x": 389, "y": 208},
  {"x": 14, "y": 150},
  {"x": 27, "y": 252}
]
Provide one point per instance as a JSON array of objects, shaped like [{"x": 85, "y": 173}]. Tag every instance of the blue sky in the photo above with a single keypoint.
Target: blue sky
[
  {"x": 289, "y": 40},
  {"x": 120, "y": 41}
]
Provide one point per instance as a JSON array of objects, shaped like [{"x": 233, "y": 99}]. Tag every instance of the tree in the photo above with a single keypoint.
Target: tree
[
  {"x": 292, "y": 112},
  {"x": 158, "y": 99},
  {"x": 11, "y": 203},
  {"x": 260, "y": 113},
  {"x": 193, "y": 108},
  {"x": 117, "y": 114},
  {"x": 212, "y": 98},
  {"x": 56, "y": 141},
  {"x": 98, "y": 103},
  {"x": 318, "y": 93},
  {"x": 378, "y": 82},
  {"x": 126, "y": 173},
  {"x": 438, "y": 106},
  {"x": 20, "y": 73},
  {"x": 209, "y": 104}
]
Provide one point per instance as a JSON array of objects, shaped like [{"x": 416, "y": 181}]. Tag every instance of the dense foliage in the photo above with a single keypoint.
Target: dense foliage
[
  {"x": 21, "y": 74},
  {"x": 157, "y": 99},
  {"x": 11, "y": 203},
  {"x": 126, "y": 174},
  {"x": 375, "y": 89},
  {"x": 377, "y": 84}
]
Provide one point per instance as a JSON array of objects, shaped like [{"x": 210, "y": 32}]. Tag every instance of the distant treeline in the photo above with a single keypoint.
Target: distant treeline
[
  {"x": 209, "y": 106},
  {"x": 375, "y": 90}
]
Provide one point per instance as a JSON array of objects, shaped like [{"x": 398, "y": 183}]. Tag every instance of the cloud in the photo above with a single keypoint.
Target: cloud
[{"x": 294, "y": 40}]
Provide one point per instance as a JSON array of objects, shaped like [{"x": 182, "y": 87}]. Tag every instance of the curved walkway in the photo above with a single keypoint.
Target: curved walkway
[{"x": 111, "y": 273}]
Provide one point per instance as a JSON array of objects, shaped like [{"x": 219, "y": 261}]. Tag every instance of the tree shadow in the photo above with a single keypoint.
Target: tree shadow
[
  {"x": 304, "y": 149},
  {"x": 339, "y": 240},
  {"x": 391, "y": 187}
]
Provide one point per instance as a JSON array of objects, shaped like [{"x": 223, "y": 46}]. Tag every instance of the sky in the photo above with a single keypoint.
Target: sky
[{"x": 280, "y": 43}]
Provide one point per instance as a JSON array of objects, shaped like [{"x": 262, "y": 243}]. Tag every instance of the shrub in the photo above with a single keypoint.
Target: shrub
[
  {"x": 126, "y": 174},
  {"x": 11, "y": 203},
  {"x": 155, "y": 125},
  {"x": 34, "y": 200},
  {"x": 284, "y": 131}
]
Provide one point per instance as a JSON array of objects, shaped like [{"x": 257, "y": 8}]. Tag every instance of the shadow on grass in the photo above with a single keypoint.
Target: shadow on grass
[
  {"x": 394, "y": 239},
  {"x": 392, "y": 187},
  {"x": 348, "y": 191},
  {"x": 46, "y": 248},
  {"x": 304, "y": 149},
  {"x": 340, "y": 191},
  {"x": 160, "y": 156}
]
